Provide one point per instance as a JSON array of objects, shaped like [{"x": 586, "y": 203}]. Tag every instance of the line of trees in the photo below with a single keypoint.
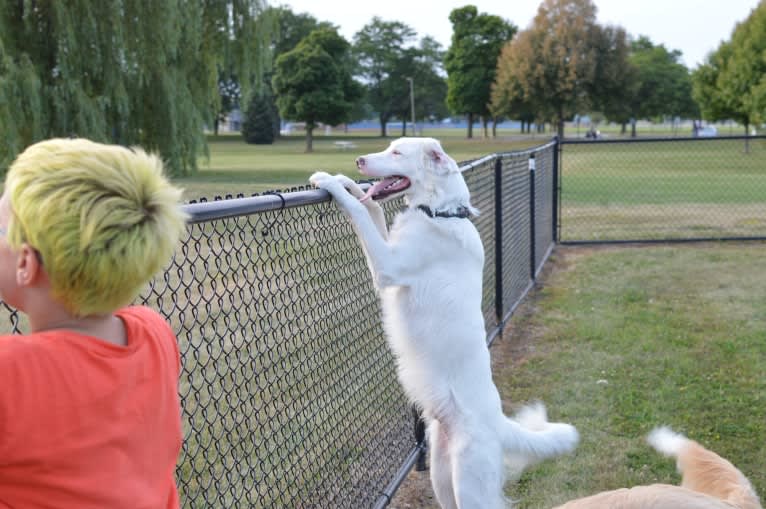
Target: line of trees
[
  {"x": 157, "y": 73},
  {"x": 125, "y": 71}
]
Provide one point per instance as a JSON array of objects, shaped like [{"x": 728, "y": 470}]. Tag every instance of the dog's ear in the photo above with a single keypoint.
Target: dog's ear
[{"x": 438, "y": 159}]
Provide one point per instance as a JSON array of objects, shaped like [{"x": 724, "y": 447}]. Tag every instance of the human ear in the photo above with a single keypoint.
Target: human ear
[{"x": 28, "y": 265}]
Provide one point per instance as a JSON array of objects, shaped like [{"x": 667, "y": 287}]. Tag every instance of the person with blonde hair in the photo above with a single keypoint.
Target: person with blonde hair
[{"x": 89, "y": 408}]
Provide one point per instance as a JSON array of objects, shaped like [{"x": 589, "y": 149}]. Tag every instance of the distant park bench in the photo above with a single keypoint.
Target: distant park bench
[{"x": 345, "y": 145}]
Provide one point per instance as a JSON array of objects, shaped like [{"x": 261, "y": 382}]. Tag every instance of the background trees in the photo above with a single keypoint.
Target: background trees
[
  {"x": 380, "y": 49},
  {"x": 471, "y": 61},
  {"x": 553, "y": 66},
  {"x": 122, "y": 71},
  {"x": 732, "y": 82},
  {"x": 313, "y": 81}
]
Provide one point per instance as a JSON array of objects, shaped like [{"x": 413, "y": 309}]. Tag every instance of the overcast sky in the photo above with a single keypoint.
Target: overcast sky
[{"x": 695, "y": 27}]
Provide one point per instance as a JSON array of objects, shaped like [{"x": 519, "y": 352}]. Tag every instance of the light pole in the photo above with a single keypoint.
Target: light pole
[{"x": 412, "y": 103}]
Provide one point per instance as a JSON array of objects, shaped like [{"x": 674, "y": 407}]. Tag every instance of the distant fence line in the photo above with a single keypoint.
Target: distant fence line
[{"x": 289, "y": 391}]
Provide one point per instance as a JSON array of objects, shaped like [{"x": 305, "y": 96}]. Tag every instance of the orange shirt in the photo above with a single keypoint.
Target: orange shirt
[{"x": 87, "y": 424}]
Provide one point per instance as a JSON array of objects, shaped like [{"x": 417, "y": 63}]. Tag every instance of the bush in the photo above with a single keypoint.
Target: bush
[{"x": 258, "y": 126}]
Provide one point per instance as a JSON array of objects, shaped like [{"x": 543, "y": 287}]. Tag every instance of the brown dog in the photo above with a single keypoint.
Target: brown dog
[{"x": 709, "y": 482}]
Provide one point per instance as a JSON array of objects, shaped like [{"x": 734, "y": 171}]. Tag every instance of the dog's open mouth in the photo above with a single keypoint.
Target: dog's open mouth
[{"x": 386, "y": 187}]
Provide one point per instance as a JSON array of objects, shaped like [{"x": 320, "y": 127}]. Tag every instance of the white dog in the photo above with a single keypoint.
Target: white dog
[{"x": 428, "y": 272}]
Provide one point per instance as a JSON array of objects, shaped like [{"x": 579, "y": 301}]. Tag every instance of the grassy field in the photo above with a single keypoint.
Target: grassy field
[
  {"x": 658, "y": 190},
  {"x": 236, "y": 167},
  {"x": 619, "y": 340}
]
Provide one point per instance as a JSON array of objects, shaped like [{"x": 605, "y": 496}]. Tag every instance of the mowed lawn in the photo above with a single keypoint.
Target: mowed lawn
[
  {"x": 618, "y": 340},
  {"x": 621, "y": 191},
  {"x": 237, "y": 167}
]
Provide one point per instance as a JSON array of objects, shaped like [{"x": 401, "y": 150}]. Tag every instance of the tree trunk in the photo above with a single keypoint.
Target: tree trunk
[
  {"x": 624, "y": 128},
  {"x": 404, "y": 129},
  {"x": 383, "y": 121},
  {"x": 309, "y": 138},
  {"x": 560, "y": 125},
  {"x": 215, "y": 126},
  {"x": 484, "y": 126},
  {"x": 632, "y": 128},
  {"x": 747, "y": 140},
  {"x": 470, "y": 126},
  {"x": 494, "y": 128}
]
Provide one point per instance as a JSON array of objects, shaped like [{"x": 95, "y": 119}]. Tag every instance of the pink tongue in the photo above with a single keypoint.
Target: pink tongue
[{"x": 377, "y": 187}]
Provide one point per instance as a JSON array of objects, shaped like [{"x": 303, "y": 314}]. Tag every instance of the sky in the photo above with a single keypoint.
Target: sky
[{"x": 695, "y": 27}]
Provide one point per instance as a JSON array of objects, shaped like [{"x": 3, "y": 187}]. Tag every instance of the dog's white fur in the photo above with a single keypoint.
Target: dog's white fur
[
  {"x": 709, "y": 482},
  {"x": 428, "y": 272}
]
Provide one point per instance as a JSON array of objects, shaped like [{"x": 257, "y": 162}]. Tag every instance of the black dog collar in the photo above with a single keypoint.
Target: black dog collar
[{"x": 461, "y": 212}]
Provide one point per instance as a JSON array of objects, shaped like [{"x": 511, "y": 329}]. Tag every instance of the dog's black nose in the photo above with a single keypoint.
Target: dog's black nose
[{"x": 359, "y": 162}]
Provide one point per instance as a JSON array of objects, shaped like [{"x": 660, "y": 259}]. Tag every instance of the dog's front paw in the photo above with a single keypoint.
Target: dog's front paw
[
  {"x": 335, "y": 187},
  {"x": 321, "y": 179}
]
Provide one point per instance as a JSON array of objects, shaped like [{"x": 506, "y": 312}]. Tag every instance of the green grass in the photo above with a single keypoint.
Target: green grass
[
  {"x": 621, "y": 340},
  {"x": 656, "y": 190},
  {"x": 236, "y": 167}
]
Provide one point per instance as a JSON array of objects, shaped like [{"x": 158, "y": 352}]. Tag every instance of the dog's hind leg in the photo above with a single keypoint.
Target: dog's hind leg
[
  {"x": 478, "y": 473},
  {"x": 441, "y": 467}
]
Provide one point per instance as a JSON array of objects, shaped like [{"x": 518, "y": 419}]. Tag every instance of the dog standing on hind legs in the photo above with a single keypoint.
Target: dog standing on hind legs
[{"x": 427, "y": 270}]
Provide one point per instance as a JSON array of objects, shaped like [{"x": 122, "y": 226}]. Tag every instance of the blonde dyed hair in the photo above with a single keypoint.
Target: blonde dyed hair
[{"x": 103, "y": 218}]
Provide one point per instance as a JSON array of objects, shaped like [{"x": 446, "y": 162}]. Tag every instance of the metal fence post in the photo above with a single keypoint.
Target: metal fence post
[
  {"x": 532, "y": 238},
  {"x": 420, "y": 438},
  {"x": 556, "y": 189},
  {"x": 499, "y": 312}
]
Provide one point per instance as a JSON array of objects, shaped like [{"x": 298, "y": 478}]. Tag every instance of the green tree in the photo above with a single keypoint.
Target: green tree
[
  {"x": 732, "y": 82},
  {"x": 313, "y": 82},
  {"x": 258, "y": 125},
  {"x": 121, "y": 71},
  {"x": 471, "y": 61},
  {"x": 289, "y": 29},
  {"x": 384, "y": 61},
  {"x": 663, "y": 84},
  {"x": 616, "y": 78}
]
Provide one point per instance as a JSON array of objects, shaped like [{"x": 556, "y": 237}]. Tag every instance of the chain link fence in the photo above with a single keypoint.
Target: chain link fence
[
  {"x": 678, "y": 189},
  {"x": 289, "y": 392}
]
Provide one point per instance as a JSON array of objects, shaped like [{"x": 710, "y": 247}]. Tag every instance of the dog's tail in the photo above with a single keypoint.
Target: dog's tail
[
  {"x": 529, "y": 437},
  {"x": 704, "y": 471}
]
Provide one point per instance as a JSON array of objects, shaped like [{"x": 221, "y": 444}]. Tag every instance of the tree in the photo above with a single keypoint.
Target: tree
[
  {"x": 663, "y": 85},
  {"x": 384, "y": 62},
  {"x": 430, "y": 84},
  {"x": 289, "y": 29},
  {"x": 125, "y": 72},
  {"x": 732, "y": 82},
  {"x": 508, "y": 97},
  {"x": 313, "y": 82},
  {"x": 258, "y": 127},
  {"x": 471, "y": 61},
  {"x": 616, "y": 78},
  {"x": 554, "y": 61}
]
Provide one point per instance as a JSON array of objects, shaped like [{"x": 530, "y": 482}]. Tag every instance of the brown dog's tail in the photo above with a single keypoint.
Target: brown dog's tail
[{"x": 704, "y": 471}]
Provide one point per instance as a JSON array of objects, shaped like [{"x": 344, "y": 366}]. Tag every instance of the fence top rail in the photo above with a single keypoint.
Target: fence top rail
[
  {"x": 665, "y": 139},
  {"x": 202, "y": 212}
]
